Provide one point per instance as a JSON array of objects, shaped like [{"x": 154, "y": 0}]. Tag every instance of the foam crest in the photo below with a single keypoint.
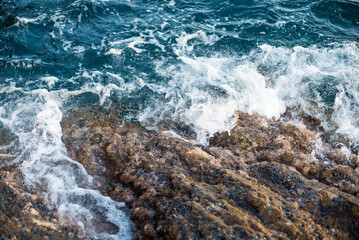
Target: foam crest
[
  {"x": 345, "y": 114},
  {"x": 185, "y": 42},
  {"x": 320, "y": 80},
  {"x": 24, "y": 20},
  {"x": 204, "y": 92}
]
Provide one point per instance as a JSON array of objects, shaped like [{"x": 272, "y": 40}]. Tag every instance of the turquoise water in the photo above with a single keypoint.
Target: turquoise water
[{"x": 187, "y": 63}]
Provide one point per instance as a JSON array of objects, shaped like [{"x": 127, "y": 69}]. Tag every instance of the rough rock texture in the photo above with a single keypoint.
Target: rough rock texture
[
  {"x": 291, "y": 145},
  {"x": 261, "y": 181},
  {"x": 23, "y": 215}
]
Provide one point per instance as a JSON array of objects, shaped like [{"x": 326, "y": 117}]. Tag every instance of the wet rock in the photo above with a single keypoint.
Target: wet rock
[
  {"x": 261, "y": 181},
  {"x": 327, "y": 206},
  {"x": 24, "y": 216},
  {"x": 277, "y": 141}
]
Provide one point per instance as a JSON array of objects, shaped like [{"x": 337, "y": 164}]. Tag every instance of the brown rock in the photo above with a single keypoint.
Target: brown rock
[
  {"x": 260, "y": 181},
  {"x": 24, "y": 216}
]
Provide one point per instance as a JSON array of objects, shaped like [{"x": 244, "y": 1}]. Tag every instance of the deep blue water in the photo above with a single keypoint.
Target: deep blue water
[
  {"x": 56, "y": 29},
  {"x": 190, "y": 63}
]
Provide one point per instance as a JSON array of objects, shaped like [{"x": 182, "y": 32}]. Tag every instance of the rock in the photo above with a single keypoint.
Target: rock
[
  {"x": 276, "y": 141},
  {"x": 23, "y": 215},
  {"x": 261, "y": 181},
  {"x": 326, "y": 205}
]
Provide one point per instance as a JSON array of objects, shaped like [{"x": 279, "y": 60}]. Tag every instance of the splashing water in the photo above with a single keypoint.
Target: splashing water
[{"x": 42, "y": 158}]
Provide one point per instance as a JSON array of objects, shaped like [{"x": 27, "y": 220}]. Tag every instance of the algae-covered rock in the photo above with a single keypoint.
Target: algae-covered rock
[{"x": 261, "y": 181}]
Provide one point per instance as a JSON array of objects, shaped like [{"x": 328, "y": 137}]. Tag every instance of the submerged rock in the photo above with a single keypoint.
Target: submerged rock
[{"x": 260, "y": 181}]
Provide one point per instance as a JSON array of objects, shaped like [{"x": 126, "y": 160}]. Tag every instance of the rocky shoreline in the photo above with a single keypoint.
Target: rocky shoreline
[
  {"x": 260, "y": 181},
  {"x": 23, "y": 214}
]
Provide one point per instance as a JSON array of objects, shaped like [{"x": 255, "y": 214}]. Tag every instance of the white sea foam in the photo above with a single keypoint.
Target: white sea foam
[
  {"x": 317, "y": 79},
  {"x": 183, "y": 46},
  {"x": 34, "y": 117},
  {"x": 79, "y": 49},
  {"x": 346, "y": 113},
  {"x": 114, "y": 51},
  {"x": 204, "y": 92},
  {"x": 50, "y": 80},
  {"x": 126, "y": 43},
  {"x": 24, "y": 20},
  {"x": 66, "y": 45},
  {"x": 60, "y": 21}
]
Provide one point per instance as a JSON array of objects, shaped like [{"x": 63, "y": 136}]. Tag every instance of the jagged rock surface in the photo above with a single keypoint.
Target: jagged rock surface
[
  {"x": 260, "y": 181},
  {"x": 23, "y": 215}
]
